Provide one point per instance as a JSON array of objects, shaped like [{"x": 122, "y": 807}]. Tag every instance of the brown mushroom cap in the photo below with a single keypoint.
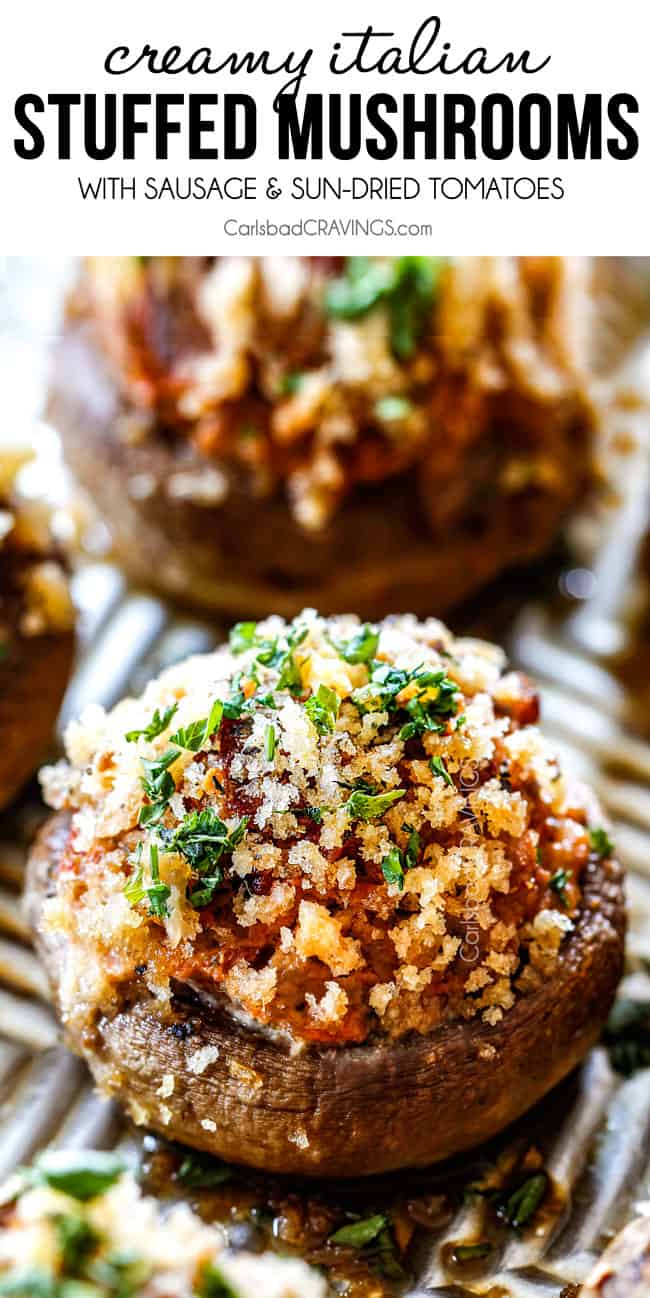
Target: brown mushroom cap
[
  {"x": 352, "y": 1110},
  {"x": 503, "y": 457},
  {"x": 36, "y": 631},
  {"x": 33, "y": 679}
]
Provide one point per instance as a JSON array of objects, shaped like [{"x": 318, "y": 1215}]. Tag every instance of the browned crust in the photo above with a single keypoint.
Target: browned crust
[
  {"x": 362, "y": 1109},
  {"x": 249, "y": 555},
  {"x": 33, "y": 679}
]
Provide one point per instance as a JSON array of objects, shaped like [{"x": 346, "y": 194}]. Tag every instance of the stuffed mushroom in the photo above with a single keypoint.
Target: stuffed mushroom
[
  {"x": 323, "y": 900},
  {"x": 266, "y": 433},
  {"x": 36, "y": 629},
  {"x": 76, "y": 1225}
]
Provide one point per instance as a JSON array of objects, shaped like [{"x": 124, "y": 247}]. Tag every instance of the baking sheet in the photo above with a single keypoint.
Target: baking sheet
[{"x": 594, "y": 1134}]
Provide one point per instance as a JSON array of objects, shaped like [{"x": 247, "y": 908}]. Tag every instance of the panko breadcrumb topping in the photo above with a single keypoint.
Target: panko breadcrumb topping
[
  {"x": 343, "y": 830},
  {"x": 76, "y": 1223}
]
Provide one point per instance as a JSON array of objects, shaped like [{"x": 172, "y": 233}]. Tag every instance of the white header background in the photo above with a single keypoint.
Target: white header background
[{"x": 56, "y": 47}]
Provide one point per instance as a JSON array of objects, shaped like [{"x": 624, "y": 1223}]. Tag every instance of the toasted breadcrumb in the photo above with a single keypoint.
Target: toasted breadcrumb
[{"x": 380, "y": 842}]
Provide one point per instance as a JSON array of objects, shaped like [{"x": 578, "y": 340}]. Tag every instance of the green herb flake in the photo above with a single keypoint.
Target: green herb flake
[
  {"x": 601, "y": 843},
  {"x": 76, "y": 1241},
  {"x": 204, "y": 839},
  {"x": 412, "y": 851},
  {"x": 520, "y": 1207},
  {"x": 213, "y": 1284},
  {"x": 322, "y": 708},
  {"x": 357, "y": 1234},
  {"x": 122, "y": 1275},
  {"x": 243, "y": 636},
  {"x": 391, "y": 410},
  {"x": 362, "y": 647},
  {"x": 397, "y": 862},
  {"x": 158, "y": 893},
  {"x": 471, "y": 1252},
  {"x": 82, "y": 1175},
  {"x": 434, "y": 700},
  {"x": 392, "y": 868},
  {"x": 292, "y": 383},
  {"x": 196, "y": 736},
  {"x": 159, "y": 722},
  {"x": 202, "y": 1173},
  {"x": 438, "y": 767},
  {"x": 558, "y": 882},
  {"x": 313, "y": 813},
  {"x": 406, "y": 286},
  {"x": 289, "y": 677},
  {"x": 364, "y": 284},
  {"x": 158, "y": 786},
  {"x": 369, "y": 806},
  {"x": 270, "y": 741}
]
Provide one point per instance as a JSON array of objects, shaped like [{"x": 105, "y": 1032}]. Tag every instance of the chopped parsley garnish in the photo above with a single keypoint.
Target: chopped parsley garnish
[
  {"x": 270, "y": 741},
  {"x": 368, "y": 806},
  {"x": 407, "y": 286},
  {"x": 322, "y": 708},
  {"x": 313, "y": 813},
  {"x": 195, "y": 736},
  {"x": 156, "y": 780},
  {"x": 123, "y": 1275},
  {"x": 391, "y": 409},
  {"x": 198, "y": 1172},
  {"x": 601, "y": 843},
  {"x": 213, "y": 1284},
  {"x": 158, "y": 723},
  {"x": 242, "y": 637},
  {"x": 156, "y": 893},
  {"x": 289, "y": 678},
  {"x": 519, "y": 1208},
  {"x": 204, "y": 839},
  {"x": 558, "y": 883},
  {"x": 627, "y": 1035},
  {"x": 397, "y": 862},
  {"x": 362, "y": 647},
  {"x": 158, "y": 786},
  {"x": 429, "y": 712},
  {"x": 392, "y": 867},
  {"x": 292, "y": 383},
  {"x": 357, "y": 1234},
  {"x": 438, "y": 767},
  {"x": 380, "y": 694},
  {"x": 412, "y": 847},
  {"x": 431, "y": 697},
  {"x": 76, "y": 1241},
  {"x": 471, "y": 1252},
  {"x": 375, "y": 1237},
  {"x": 278, "y": 654},
  {"x": 82, "y": 1175}
]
